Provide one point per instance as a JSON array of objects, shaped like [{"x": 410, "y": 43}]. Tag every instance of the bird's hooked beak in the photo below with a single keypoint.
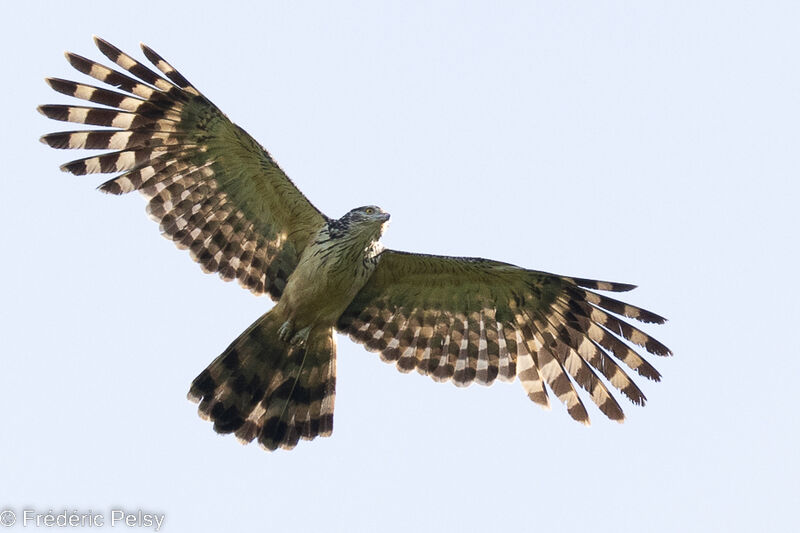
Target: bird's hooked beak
[{"x": 384, "y": 217}]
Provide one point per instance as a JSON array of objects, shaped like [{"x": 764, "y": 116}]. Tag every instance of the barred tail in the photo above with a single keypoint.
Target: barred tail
[{"x": 263, "y": 388}]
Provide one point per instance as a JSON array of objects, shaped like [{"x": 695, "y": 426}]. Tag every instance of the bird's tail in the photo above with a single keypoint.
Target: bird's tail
[{"x": 264, "y": 388}]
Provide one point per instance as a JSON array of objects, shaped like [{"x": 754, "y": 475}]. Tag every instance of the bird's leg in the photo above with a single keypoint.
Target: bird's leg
[
  {"x": 301, "y": 336},
  {"x": 286, "y": 331}
]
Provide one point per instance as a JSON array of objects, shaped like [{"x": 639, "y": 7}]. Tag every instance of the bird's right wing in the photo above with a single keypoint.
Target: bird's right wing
[{"x": 212, "y": 188}]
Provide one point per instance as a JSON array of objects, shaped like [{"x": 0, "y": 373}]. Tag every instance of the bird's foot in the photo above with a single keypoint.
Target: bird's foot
[
  {"x": 301, "y": 337},
  {"x": 286, "y": 331}
]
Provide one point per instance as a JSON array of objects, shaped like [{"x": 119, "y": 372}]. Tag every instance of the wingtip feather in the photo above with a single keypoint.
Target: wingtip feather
[
  {"x": 51, "y": 140},
  {"x": 74, "y": 59},
  {"x": 103, "y": 45},
  {"x": 66, "y": 168}
]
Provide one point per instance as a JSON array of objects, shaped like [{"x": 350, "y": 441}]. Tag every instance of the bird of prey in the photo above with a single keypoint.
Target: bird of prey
[{"x": 216, "y": 192}]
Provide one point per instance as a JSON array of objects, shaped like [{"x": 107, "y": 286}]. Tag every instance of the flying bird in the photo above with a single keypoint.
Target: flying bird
[{"x": 216, "y": 192}]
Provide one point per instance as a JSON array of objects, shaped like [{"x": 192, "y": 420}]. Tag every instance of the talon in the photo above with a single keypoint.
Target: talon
[
  {"x": 301, "y": 336},
  {"x": 285, "y": 331}
]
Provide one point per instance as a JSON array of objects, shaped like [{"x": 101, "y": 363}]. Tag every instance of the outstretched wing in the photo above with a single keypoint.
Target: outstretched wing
[
  {"x": 477, "y": 320},
  {"x": 212, "y": 188}
]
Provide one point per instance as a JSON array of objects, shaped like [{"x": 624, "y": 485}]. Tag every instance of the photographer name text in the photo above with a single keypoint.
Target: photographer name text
[{"x": 132, "y": 518}]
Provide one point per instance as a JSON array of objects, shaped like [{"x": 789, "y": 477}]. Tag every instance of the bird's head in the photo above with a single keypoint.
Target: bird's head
[{"x": 369, "y": 221}]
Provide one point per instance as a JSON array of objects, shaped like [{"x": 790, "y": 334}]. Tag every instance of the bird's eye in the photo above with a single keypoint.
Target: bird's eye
[{"x": 369, "y": 211}]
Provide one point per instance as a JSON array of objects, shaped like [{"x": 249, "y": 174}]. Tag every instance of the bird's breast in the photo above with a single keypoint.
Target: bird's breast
[{"x": 325, "y": 281}]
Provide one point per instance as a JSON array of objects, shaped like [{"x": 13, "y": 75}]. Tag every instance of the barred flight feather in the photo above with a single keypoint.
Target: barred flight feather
[
  {"x": 113, "y": 140},
  {"x": 600, "y": 285},
  {"x": 528, "y": 373},
  {"x": 100, "y": 95},
  {"x": 506, "y": 370},
  {"x": 581, "y": 315},
  {"x": 568, "y": 343},
  {"x": 596, "y": 356},
  {"x": 615, "y": 306}
]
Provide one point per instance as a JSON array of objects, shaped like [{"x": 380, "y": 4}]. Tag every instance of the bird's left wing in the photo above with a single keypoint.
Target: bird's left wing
[
  {"x": 470, "y": 319},
  {"x": 212, "y": 188}
]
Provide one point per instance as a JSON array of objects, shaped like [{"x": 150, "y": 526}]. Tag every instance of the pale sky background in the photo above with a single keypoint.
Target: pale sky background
[{"x": 646, "y": 142}]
